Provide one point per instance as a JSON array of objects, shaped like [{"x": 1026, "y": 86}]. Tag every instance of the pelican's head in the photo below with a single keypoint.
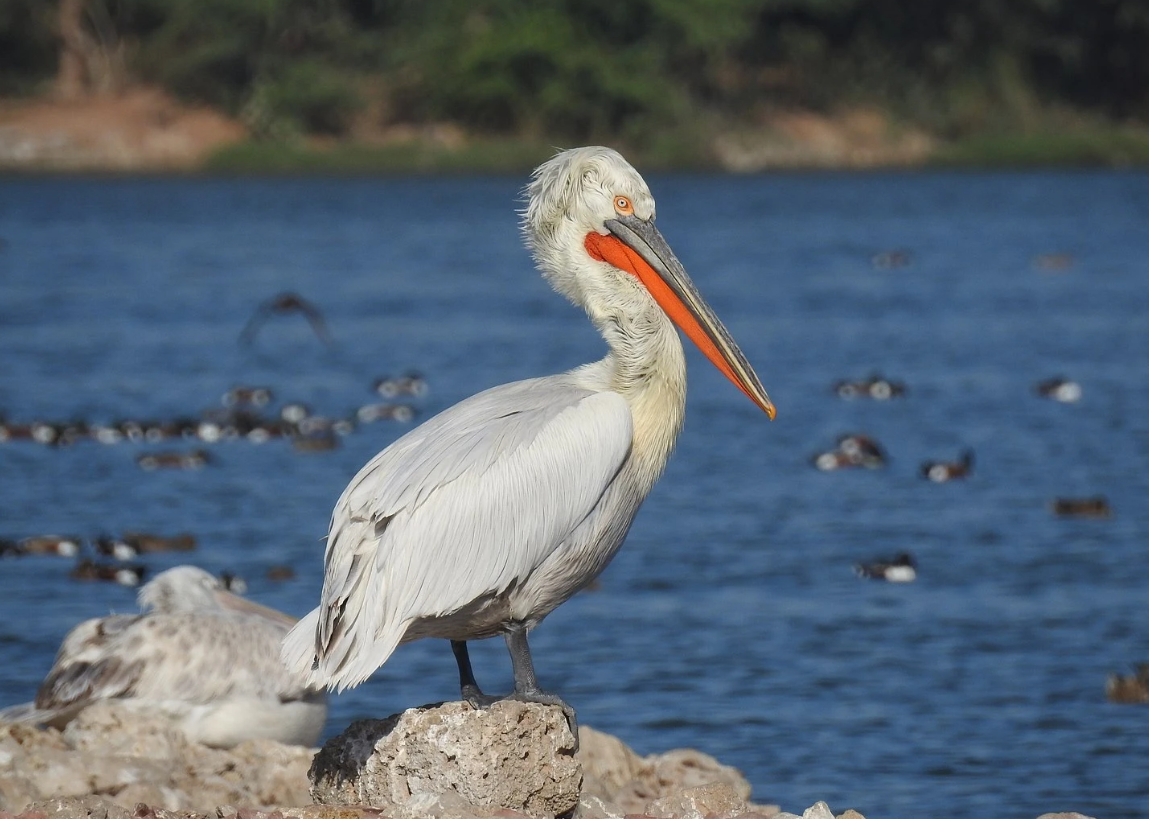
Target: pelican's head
[
  {"x": 180, "y": 589},
  {"x": 190, "y": 589},
  {"x": 589, "y": 222}
]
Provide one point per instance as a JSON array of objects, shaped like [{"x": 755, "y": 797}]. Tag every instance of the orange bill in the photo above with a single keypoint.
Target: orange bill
[{"x": 637, "y": 247}]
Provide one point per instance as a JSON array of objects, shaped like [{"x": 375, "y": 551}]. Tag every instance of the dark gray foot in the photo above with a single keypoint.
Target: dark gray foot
[
  {"x": 526, "y": 685},
  {"x": 477, "y": 698},
  {"x": 547, "y": 698}
]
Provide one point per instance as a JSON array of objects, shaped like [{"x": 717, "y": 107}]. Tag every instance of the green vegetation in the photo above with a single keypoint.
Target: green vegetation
[
  {"x": 659, "y": 77},
  {"x": 482, "y": 154},
  {"x": 491, "y": 155},
  {"x": 1112, "y": 146}
]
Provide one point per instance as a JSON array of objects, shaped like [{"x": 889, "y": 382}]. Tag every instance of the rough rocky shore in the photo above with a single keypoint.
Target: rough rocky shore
[{"x": 449, "y": 761}]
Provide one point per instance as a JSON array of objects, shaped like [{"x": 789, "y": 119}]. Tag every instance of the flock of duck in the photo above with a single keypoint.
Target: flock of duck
[
  {"x": 862, "y": 451},
  {"x": 855, "y": 451},
  {"x": 91, "y": 554},
  {"x": 858, "y": 451},
  {"x": 240, "y": 418}
]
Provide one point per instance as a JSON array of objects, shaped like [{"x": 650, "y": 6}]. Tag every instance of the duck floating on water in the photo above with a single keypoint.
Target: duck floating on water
[
  {"x": 945, "y": 471},
  {"x": 62, "y": 545},
  {"x": 411, "y": 383},
  {"x": 902, "y": 569},
  {"x": 852, "y": 451},
  {"x": 1059, "y": 389},
  {"x": 1129, "y": 690},
  {"x": 370, "y": 413},
  {"x": 1053, "y": 262},
  {"x": 195, "y": 459},
  {"x": 247, "y": 397},
  {"x": 233, "y": 582},
  {"x": 1095, "y": 507},
  {"x": 875, "y": 387},
  {"x": 892, "y": 259},
  {"x": 133, "y": 544},
  {"x": 124, "y": 574}
]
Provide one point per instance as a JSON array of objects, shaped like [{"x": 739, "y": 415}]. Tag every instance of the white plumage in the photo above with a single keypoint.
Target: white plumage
[
  {"x": 198, "y": 655},
  {"x": 486, "y": 517}
]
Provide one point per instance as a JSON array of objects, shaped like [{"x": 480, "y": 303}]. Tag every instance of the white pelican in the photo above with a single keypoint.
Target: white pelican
[
  {"x": 199, "y": 655},
  {"x": 485, "y": 518}
]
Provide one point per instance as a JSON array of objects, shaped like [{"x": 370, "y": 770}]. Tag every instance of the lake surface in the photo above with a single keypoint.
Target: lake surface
[{"x": 732, "y": 620}]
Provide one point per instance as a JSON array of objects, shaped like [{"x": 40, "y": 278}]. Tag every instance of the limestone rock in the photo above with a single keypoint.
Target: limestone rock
[
  {"x": 819, "y": 810},
  {"x": 595, "y": 807},
  {"x": 111, "y": 750},
  {"x": 628, "y": 783},
  {"x": 513, "y": 755},
  {"x": 608, "y": 763},
  {"x": 717, "y": 798},
  {"x": 111, "y": 728},
  {"x": 92, "y": 807}
]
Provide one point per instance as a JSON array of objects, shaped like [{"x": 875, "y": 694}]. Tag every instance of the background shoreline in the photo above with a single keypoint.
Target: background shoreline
[{"x": 147, "y": 131}]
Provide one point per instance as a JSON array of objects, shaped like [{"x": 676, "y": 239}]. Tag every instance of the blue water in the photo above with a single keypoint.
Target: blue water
[{"x": 731, "y": 621}]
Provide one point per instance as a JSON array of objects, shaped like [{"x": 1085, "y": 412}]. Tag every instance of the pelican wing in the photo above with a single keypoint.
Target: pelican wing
[
  {"x": 455, "y": 513},
  {"x": 79, "y": 683}
]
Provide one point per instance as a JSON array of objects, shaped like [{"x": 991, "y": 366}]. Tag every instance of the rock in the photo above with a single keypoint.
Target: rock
[
  {"x": 512, "y": 761},
  {"x": 111, "y": 728},
  {"x": 449, "y": 805},
  {"x": 662, "y": 775},
  {"x": 594, "y": 807},
  {"x": 112, "y": 750},
  {"x": 1068, "y": 815},
  {"x": 819, "y": 810},
  {"x": 92, "y": 807},
  {"x": 306, "y": 812},
  {"x": 608, "y": 763},
  {"x": 513, "y": 755},
  {"x": 617, "y": 781},
  {"x": 717, "y": 798}
]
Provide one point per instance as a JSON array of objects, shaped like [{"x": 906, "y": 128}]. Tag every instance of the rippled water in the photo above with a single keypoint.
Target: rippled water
[{"x": 732, "y": 620}]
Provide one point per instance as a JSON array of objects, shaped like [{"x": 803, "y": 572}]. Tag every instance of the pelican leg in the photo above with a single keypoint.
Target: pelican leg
[
  {"x": 527, "y": 684},
  {"x": 468, "y": 686}
]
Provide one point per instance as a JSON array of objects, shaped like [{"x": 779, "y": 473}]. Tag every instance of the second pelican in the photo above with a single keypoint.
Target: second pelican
[{"x": 485, "y": 518}]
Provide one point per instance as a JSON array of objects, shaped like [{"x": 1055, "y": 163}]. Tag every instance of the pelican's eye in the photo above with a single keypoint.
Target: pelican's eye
[{"x": 622, "y": 206}]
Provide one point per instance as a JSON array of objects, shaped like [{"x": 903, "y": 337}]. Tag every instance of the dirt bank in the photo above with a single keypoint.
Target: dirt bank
[{"x": 143, "y": 129}]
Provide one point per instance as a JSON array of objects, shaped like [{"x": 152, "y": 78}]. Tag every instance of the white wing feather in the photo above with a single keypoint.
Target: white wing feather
[{"x": 455, "y": 513}]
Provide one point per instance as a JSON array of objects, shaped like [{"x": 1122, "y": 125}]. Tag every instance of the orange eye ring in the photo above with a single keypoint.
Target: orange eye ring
[{"x": 623, "y": 206}]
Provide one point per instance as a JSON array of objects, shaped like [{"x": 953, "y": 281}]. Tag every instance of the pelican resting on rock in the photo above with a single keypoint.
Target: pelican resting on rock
[
  {"x": 198, "y": 655},
  {"x": 483, "y": 519}
]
